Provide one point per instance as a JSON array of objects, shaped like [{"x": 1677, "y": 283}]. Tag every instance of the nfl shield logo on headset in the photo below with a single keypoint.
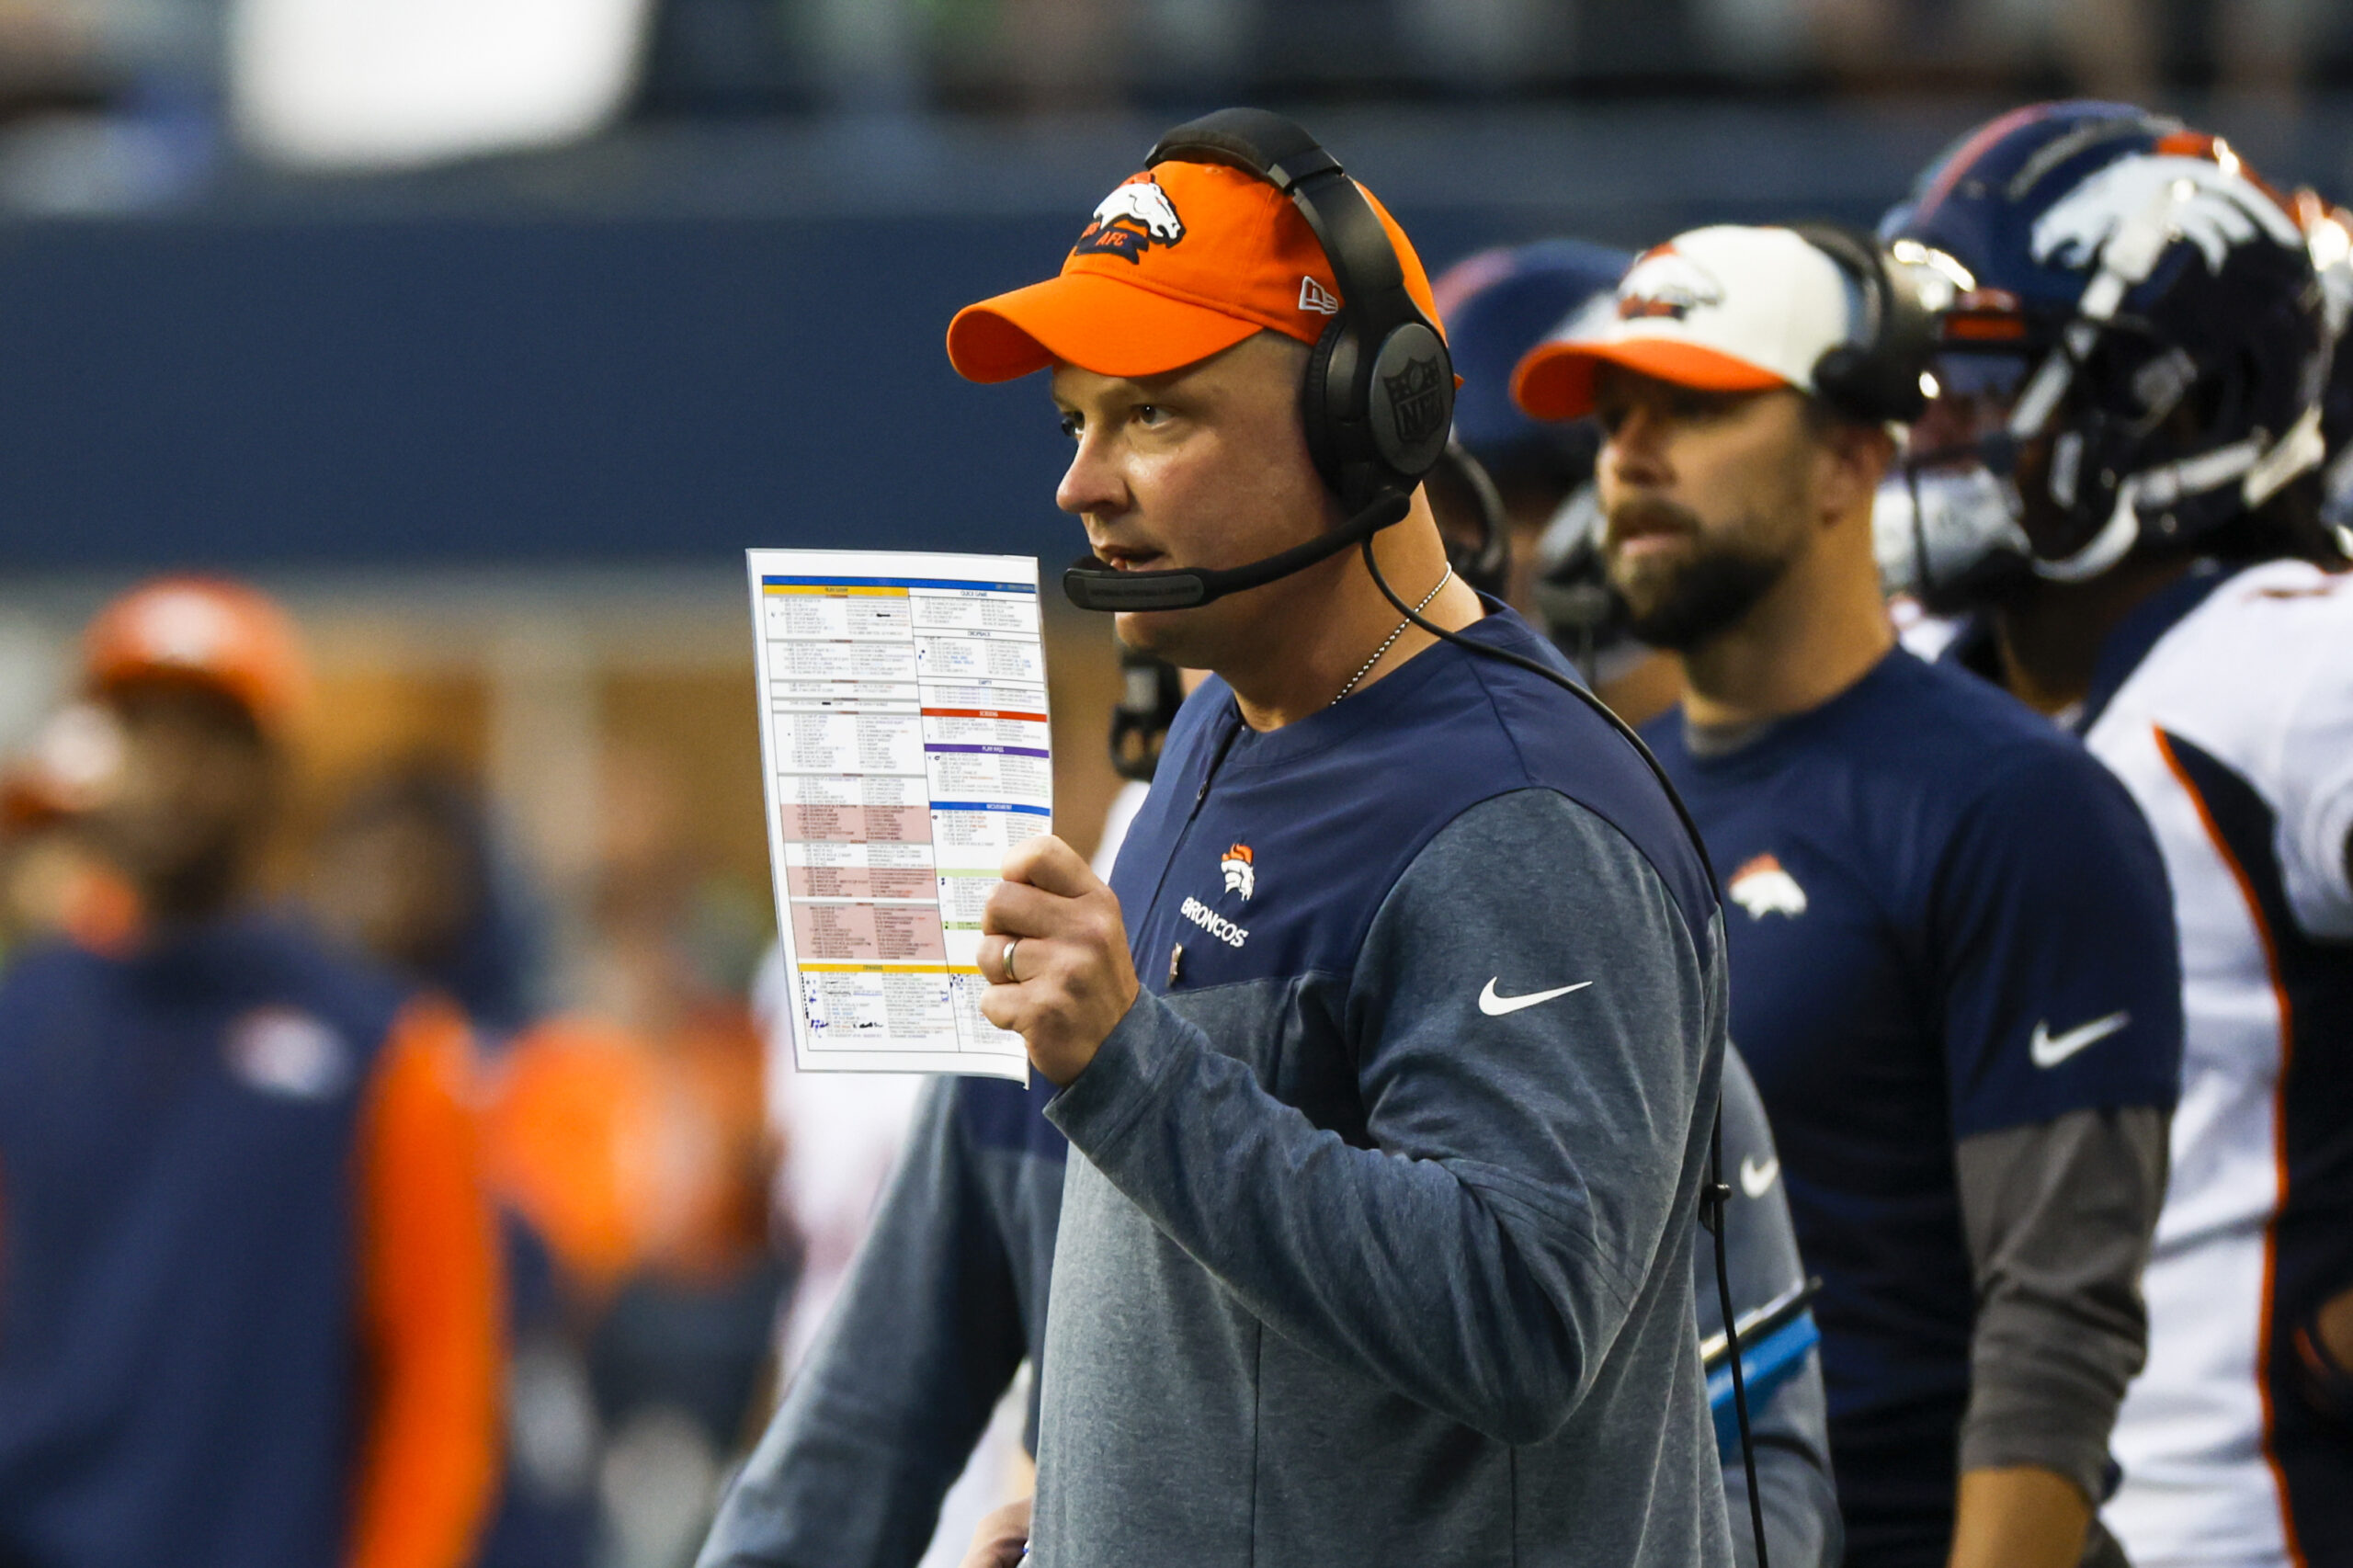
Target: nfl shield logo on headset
[{"x": 1417, "y": 401}]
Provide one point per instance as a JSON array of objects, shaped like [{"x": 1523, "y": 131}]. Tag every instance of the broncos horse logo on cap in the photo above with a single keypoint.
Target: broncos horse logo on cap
[
  {"x": 1130, "y": 221},
  {"x": 1665, "y": 282}
]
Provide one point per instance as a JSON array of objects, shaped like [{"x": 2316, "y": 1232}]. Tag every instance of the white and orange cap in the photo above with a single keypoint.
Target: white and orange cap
[{"x": 1726, "y": 309}]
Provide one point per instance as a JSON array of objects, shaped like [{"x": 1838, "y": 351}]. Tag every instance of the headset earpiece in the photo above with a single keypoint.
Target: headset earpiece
[
  {"x": 1317, "y": 413},
  {"x": 1409, "y": 399},
  {"x": 1878, "y": 377},
  {"x": 1377, "y": 399}
]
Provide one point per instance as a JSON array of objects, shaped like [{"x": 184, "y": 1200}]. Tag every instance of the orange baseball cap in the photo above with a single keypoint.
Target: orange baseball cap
[
  {"x": 208, "y": 631},
  {"x": 1180, "y": 262}
]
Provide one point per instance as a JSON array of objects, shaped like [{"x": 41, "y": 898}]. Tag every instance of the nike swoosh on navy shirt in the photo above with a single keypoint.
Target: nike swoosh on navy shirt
[
  {"x": 1758, "y": 1180},
  {"x": 2050, "y": 1049},
  {"x": 1495, "y": 1006}
]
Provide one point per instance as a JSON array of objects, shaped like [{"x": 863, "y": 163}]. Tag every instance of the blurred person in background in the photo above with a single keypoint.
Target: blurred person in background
[
  {"x": 1497, "y": 305},
  {"x": 627, "y": 1129},
  {"x": 407, "y": 872},
  {"x": 1951, "y": 937},
  {"x": 2122, "y": 478},
  {"x": 250, "y": 1312},
  {"x": 51, "y": 882}
]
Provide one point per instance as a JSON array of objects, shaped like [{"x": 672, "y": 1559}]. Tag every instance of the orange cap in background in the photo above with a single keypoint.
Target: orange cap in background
[
  {"x": 1180, "y": 262},
  {"x": 206, "y": 630}
]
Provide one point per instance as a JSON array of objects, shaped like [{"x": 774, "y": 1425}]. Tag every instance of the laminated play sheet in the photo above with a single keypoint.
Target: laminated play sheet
[{"x": 904, "y": 730}]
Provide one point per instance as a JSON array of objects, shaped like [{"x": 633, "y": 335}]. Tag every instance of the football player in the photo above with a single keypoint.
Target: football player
[{"x": 2120, "y": 476}]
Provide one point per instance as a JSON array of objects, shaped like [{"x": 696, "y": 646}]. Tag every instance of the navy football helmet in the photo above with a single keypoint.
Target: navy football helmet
[{"x": 2135, "y": 351}]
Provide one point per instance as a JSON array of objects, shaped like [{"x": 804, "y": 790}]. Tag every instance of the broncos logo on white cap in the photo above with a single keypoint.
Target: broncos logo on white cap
[
  {"x": 1665, "y": 282},
  {"x": 1131, "y": 220},
  {"x": 2212, "y": 206}
]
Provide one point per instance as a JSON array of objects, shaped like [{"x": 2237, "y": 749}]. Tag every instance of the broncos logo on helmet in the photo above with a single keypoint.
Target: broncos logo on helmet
[
  {"x": 1130, "y": 221},
  {"x": 2121, "y": 269},
  {"x": 2214, "y": 207}
]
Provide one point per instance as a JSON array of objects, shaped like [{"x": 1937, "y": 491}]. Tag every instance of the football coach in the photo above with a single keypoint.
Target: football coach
[{"x": 1389, "y": 1053}]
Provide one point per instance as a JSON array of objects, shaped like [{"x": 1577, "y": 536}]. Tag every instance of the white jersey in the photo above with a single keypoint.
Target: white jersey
[{"x": 2234, "y": 730}]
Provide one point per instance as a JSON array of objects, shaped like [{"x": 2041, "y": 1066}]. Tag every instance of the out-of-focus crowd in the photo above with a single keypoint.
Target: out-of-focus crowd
[
  {"x": 611, "y": 1121},
  {"x": 728, "y": 57}
]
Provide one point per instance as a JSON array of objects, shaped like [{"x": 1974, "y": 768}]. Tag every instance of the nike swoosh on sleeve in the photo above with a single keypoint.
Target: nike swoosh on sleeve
[
  {"x": 1495, "y": 1006},
  {"x": 2049, "y": 1049},
  {"x": 1758, "y": 1180}
]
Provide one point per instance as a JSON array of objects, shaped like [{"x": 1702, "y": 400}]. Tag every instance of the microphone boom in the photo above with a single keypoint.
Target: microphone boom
[{"x": 1091, "y": 584}]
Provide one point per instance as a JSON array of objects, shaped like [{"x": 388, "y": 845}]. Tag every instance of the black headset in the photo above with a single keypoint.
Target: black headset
[
  {"x": 1378, "y": 402},
  {"x": 1875, "y": 377}
]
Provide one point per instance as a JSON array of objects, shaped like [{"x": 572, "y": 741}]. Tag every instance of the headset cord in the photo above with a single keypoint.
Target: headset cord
[
  {"x": 1720, "y": 1199},
  {"x": 1718, "y": 1196},
  {"x": 1505, "y": 655}
]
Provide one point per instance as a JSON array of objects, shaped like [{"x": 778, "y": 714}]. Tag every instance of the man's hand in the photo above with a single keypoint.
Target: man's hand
[
  {"x": 998, "y": 1539},
  {"x": 1072, "y": 981}
]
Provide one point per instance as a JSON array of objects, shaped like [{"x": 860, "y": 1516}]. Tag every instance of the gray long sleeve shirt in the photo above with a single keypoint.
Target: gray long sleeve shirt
[{"x": 1375, "y": 1245}]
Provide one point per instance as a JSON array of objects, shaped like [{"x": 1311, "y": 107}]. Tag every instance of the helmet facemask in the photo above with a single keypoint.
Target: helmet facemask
[{"x": 2176, "y": 390}]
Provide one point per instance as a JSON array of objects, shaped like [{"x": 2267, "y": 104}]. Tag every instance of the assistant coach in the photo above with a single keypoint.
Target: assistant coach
[{"x": 1378, "y": 1247}]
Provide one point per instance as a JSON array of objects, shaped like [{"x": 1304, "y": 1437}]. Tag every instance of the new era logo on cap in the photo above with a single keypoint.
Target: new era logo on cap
[
  {"x": 1313, "y": 295},
  {"x": 1725, "y": 309}
]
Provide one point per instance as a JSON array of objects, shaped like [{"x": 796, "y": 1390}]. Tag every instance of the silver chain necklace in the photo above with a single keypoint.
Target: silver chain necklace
[{"x": 1390, "y": 641}]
